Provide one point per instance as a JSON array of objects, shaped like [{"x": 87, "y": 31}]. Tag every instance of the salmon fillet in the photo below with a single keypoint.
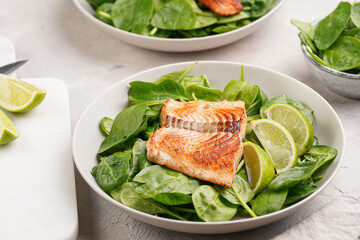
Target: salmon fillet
[
  {"x": 200, "y": 139},
  {"x": 205, "y": 116},
  {"x": 223, "y": 7}
]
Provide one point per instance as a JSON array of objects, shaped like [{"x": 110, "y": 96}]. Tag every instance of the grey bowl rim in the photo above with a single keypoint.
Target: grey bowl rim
[{"x": 326, "y": 69}]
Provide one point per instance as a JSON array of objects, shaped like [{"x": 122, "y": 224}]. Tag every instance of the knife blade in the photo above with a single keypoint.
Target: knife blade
[{"x": 9, "y": 68}]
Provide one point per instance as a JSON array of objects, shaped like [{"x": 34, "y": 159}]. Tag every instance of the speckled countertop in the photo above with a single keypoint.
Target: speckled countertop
[{"x": 60, "y": 42}]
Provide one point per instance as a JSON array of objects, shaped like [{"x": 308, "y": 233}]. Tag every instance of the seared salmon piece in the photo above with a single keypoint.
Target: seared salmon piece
[
  {"x": 211, "y": 157},
  {"x": 221, "y": 116},
  {"x": 223, "y": 7},
  {"x": 200, "y": 139}
]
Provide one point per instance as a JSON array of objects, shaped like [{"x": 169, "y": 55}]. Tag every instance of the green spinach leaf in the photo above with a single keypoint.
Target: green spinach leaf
[
  {"x": 103, "y": 13},
  {"x": 304, "y": 27},
  {"x": 158, "y": 180},
  {"x": 240, "y": 192},
  {"x": 210, "y": 206},
  {"x": 269, "y": 201},
  {"x": 260, "y": 7},
  {"x": 127, "y": 124},
  {"x": 344, "y": 54},
  {"x": 203, "y": 93},
  {"x": 97, "y": 3},
  {"x": 132, "y": 15},
  {"x": 330, "y": 28},
  {"x": 177, "y": 76},
  {"x": 234, "y": 18},
  {"x": 105, "y": 125},
  {"x": 317, "y": 156},
  {"x": 155, "y": 93},
  {"x": 355, "y": 14},
  {"x": 300, "y": 191},
  {"x": 174, "y": 15},
  {"x": 127, "y": 196},
  {"x": 112, "y": 171},
  {"x": 199, "y": 80}
]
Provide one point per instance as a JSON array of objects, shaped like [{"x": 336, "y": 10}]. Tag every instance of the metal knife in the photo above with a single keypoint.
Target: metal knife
[{"x": 9, "y": 68}]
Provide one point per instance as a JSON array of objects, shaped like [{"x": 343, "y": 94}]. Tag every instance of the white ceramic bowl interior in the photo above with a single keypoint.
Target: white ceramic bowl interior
[
  {"x": 175, "y": 45},
  {"x": 342, "y": 83},
  {"x": 87, "y": 136}
]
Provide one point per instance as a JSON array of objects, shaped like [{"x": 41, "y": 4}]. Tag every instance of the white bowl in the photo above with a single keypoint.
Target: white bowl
[
  {"x": 87, "y": 136},
  {"x": 175, "y": 44},
  {"x": 342, "y": 83}
]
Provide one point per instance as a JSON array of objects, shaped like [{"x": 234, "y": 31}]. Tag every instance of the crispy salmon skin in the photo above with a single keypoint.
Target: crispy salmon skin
[
  {"x": 200, "y": 139},
  {"x": 223, "y": 7}
]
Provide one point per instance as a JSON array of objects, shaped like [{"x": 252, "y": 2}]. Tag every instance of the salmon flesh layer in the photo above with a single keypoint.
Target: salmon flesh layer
[{"x": 200, "y": 139}]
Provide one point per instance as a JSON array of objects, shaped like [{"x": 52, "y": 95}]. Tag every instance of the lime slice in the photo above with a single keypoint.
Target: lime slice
[
  {"x": 8, "y": 131},
  {"x": 277, "y": 142},
  {"x": 259, "y": 167},
  {"x": 19, "y": 96},
  {"x": 292, "y": 119}
]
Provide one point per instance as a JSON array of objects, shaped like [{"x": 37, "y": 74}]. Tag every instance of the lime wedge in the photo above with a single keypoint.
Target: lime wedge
[
  {"x": 259, "y": 167},
  {"x": 292, "y": 119},
  {"x": 277, "y": 142},
  {"x": 19, "y": 96},
  {"x": 8, "y": 131}
]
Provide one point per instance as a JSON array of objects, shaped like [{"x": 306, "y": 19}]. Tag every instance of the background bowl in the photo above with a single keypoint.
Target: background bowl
[
  {"x": 345, "y": 84},
  {"x": 87, "y": 136},
  {"x": 179, "y": 44}
]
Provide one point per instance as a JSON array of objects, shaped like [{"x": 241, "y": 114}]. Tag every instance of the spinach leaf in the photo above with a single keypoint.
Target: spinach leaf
[
  {"x": 97, "y": 3},
  {"x": 316, "y": 156},
  {"x": 103, "y": 13},
  {"x": 155, "y": 93},
  {"x": 260, "y": 7},
  {"x": 165, "y": 185},
  {"x": 294, "y": 175},
  {"x": 227, "y": 19},
  {"x": 320, "y": 154},
  {"x": 330, "y": 28},
  {"x": 304, "y": 27},
  {"x": 127, "y": 124},
  {"x": 239, "y": 193},
  {"x": 355, "y": 14},
  {"x": 354, "y": 32},
  {"x": 159, "y": 4},
  {"x": 199, "y": 80},
  {"x": 305, "y": 110},
  {"x": 300, "y": 191},
  {"x": 241, "y": 90},
  {"x": 306, "y": 40},
  {"x": 127, "y": 196},
  {"x": 193, "y": 33},
  {"x": 139, "y": 155},
  {"x": 160, "y": 33},
  {"x": 105, "y": 125},
  {"x": 202, "y": 22},
  {"x": 210, "y": 206},
  {"x": 174, "y": 15},
  {"x": 203, "y": 93},
  {"x": 238, "y": 90},
  {"x": 316, "y": 57},
  {"x": 172, "y": 198},
  {"x": 240, "y": 188},
  {"x": 344, "y": 54},
  {"x": 132, "y": 15},
  {"x": 112, "y": 171},
  {"x": 269, "y": 201},
  {"x": 150, "y": 130},
  {"x": 177, "y": 75},
  {"x": 224, "y": 28}
]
